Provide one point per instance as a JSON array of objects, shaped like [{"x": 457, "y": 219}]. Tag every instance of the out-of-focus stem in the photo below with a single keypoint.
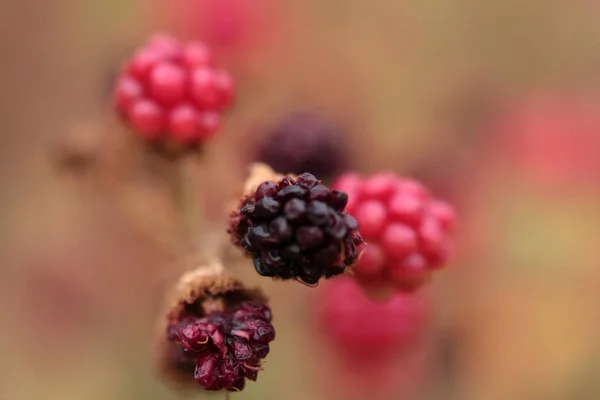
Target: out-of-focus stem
[{"x": 168, "y": 177}]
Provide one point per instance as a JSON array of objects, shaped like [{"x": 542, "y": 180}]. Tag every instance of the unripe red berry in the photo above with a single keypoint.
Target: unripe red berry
[
  {"x": 236, "y": 27},
  {"x": 367, "y": 330},
  {"x": 550, "y": 138},
  {"x": 408, "y": 229},
  {"x": 171, "y": 93}
]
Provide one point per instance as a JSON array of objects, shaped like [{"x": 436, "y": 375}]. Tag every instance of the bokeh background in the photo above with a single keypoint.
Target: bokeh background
[{"x": 495, "y": 105}]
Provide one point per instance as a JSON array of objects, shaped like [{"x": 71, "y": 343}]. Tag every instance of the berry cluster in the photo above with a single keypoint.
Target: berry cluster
[
  {"x": 407, "y": 230},
  {"x": 304, "y": 142},
  {"x": 364, "y": 329},
  {"x": 226, "y": 348},
  {"x": 171, "y": 94},
  {"x": 297, "y": 229}
]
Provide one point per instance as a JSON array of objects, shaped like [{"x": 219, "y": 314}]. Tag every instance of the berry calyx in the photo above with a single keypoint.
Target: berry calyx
[
  {"x": 296, "y": 229},
  {"x": 171, "y": 95},
  {"x": 407, "y": 229}
]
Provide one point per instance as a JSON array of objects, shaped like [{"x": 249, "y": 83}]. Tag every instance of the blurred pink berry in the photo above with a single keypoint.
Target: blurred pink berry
[
  {"x": 169, "y": 93},
  {"x": 553, "y": 139},
  {"x": 407, "y": 231},
  {"x": 366, "y": 330},
  {"x": 231, "y": 24}
]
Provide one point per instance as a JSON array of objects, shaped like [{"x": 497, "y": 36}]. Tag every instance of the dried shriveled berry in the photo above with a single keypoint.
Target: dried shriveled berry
[
  {"x": 227, "y": 344},
  {"x": 217, "y": 332},
  {"x": 408, "y": 230},
  {"x": 171, "y": 95},
  {"x": 296, "y": 229}
]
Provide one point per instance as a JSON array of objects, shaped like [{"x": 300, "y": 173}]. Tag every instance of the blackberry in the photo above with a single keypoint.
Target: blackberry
[
  {"x": 296, "y": 229},
  {"x": 304, "y": 142}
]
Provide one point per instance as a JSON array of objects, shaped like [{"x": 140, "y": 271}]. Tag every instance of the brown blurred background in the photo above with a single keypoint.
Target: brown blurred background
[{"x": 494, "y": 104}]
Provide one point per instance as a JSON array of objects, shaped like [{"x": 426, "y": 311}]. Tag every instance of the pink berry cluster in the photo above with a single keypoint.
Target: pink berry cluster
[
  {"x": 226, "y": 347},
  {"x": 366, "y": 330},
  {"x": 406, "y": 230},
  {"x": 171, "y": 92}
]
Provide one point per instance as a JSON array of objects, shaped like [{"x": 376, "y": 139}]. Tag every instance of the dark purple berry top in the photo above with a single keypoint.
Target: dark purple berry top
[
  {"x": 304, "y": 142},
  {"x": 297, "y": 229},
  {"x": 226, "y": 347}
]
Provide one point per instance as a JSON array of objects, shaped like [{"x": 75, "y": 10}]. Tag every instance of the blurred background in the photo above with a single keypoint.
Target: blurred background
[{"x": 495, "y": 105}]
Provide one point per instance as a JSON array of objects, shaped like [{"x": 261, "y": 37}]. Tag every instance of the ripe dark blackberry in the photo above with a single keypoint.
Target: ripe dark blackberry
[
  {"x": 171, "y": 95},
  {"x": 217, "y": 332},
  {"x": 296, "y": 229},
  {"x": 304, "y": 142}
]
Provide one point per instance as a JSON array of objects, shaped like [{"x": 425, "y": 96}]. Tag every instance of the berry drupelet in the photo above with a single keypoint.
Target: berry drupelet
[
  {"x": 170, "y": 94},
  {"x": 296, "y": 229},
  {"x": 407, "y": 230},
  {"x": 304, "y": 142},
  {"x": 217, "y": 333}
]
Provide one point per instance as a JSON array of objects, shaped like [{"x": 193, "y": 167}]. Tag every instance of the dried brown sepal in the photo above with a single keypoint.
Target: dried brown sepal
[
  {"x": 206, "y": 288},
  {"x": 259, "y": 173}
]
